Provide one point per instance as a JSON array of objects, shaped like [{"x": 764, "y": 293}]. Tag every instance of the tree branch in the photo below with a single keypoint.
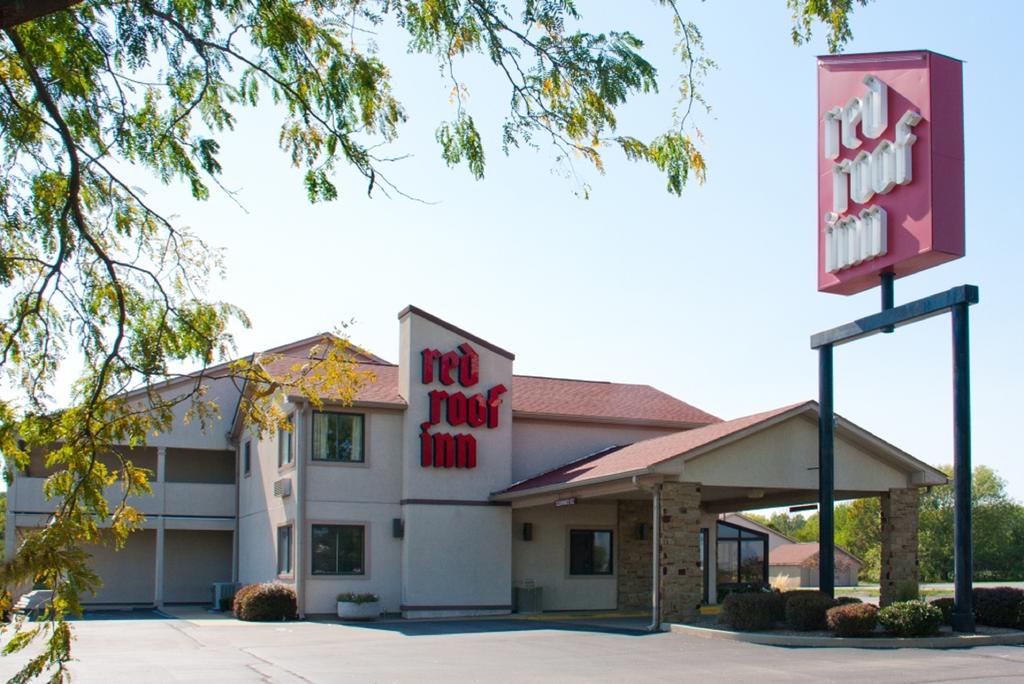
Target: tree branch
[{"x": 14, "y": 12}]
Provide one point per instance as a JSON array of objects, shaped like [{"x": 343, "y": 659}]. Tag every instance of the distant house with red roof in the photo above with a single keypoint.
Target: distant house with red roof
[{"x": 794, "y": 564}]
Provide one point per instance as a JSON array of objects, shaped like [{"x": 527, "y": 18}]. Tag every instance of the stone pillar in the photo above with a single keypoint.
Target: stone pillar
[
  {"x": 899, "y": 569},
  {"x": 680, "y": 552},
  {"x": 633, "y": 574}
]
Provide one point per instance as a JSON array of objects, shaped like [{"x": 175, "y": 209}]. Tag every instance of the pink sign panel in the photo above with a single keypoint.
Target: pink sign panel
[{"x": 890, "y": 166}]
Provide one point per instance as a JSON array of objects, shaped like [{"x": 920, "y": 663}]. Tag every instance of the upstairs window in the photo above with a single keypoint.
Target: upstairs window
[
  {"x": 247, "y": 459},
  {"x": 285, "y": 443},
  {"x": 338, "y": 437}
]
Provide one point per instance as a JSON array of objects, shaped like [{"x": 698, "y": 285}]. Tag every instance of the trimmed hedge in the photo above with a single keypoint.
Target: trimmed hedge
[
  {"x": 750, "y": 612},
  {"x": 999, "y": 607},
  {"x": 782, "y": 598},
  {"x": 805, "y": 611},
  {"x": 852, "y": 619},
  {"x": 946, "y": 606},
  {"x": 847, "y": 600},
  {"x": 267, "y": 602},
  {"x": 911, "y": 618}
]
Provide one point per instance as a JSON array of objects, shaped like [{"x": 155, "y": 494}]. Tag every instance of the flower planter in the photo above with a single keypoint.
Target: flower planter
[{"x": 348, "y": 610}]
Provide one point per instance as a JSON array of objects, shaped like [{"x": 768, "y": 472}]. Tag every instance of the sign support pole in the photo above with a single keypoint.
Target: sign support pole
[
  {"x": 826, "y": 474},
  {"x": 956, "y": 301},
  {"x": 963, "y": 552}
]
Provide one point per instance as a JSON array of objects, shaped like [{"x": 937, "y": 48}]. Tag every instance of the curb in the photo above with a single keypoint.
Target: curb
[{"x": 964, "y": 641}]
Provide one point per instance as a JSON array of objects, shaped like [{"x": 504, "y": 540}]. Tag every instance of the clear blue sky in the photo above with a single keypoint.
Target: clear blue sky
[{"x": 710, "y": 297}]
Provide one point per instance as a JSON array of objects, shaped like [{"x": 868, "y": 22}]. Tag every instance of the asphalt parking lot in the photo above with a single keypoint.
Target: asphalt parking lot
[{"x": 204, "y": 648}]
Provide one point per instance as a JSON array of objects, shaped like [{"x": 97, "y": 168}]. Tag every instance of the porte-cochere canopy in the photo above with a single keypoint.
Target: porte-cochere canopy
[{"x": 758, "y": 461}]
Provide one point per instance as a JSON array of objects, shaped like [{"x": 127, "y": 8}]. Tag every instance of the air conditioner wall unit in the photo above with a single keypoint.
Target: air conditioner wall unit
[
  {"x": 223, "y": 591},
  {"x": 283, "y": 487}
]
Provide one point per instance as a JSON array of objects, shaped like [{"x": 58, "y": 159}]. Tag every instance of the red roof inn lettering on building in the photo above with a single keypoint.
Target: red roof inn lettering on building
[
  {"x": 459, "y": 366},
  {"x": 890, "y": 166}
]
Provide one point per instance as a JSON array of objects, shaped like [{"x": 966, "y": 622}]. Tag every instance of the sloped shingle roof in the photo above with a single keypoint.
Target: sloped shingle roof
[{"x": 538, "y": 396}]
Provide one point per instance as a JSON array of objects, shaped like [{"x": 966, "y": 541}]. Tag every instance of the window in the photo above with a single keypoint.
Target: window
[
  {"x": 339, "y": 549},
  {"x": 285, "y": 453},
  {"x": 742, "y": 555},
  {"x": 284, "y": 550},
  {"x": 338, "y": 437},
  {"x": 247, "y": 459},
  {"x": 590, "y": 552}
]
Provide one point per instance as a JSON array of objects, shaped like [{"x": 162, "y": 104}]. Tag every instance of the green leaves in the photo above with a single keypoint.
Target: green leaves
[
  {"x": 834, "y": 14},
  {"x": 460, "y": 140}
]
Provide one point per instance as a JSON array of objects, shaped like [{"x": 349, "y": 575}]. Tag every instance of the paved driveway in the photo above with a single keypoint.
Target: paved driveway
[{"x": 218, "y": 650}]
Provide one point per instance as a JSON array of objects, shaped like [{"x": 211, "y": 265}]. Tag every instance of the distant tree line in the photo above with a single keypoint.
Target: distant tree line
[{"x": 998, "y": 525}]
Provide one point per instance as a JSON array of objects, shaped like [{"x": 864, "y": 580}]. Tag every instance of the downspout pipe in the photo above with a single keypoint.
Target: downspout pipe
[
  {"x": 299, "y": 494},
  {"x": 655, "y": 625}
]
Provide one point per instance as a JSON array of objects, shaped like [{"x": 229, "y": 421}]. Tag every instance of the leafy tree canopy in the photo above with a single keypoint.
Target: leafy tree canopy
[{"x": 92, "y": 273}]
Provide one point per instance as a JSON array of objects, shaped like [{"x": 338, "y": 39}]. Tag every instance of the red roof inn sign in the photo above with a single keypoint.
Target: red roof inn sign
[
  {"x": 890, "y": 166},
  {"x": 460, "y": 366}
]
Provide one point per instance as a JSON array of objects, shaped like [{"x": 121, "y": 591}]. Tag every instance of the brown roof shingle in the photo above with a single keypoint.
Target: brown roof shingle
[
  {"x": 603, "y": 400},
  {"x": 800, "y": 553},
  {"x": 541, "y": 397}
]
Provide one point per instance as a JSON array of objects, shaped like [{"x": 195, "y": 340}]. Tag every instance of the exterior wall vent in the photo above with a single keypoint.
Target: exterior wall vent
[{"x": 283, "y": 487}]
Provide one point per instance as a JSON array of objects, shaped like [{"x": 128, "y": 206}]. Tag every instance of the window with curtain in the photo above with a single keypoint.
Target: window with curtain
[
  {"x": 338, "y": 437},
  {"x": 285, "y": 443}
]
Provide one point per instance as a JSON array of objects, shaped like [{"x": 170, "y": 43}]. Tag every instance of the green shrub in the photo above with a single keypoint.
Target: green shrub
[
  {"x": 350, "y": 597},
  {"x": 267, "y": 602},
  {"x": 750, "y": 612},
  {"x": 782, "y": 598},
  {"x": 999, "y": 607},
  {"x": 946, "y": 606},
  {"x": 847, "y": 600},
  {"x": 805, "y": 611},
  {"x": 911, "y": 618},
  {"x": 852, "y": 619}
]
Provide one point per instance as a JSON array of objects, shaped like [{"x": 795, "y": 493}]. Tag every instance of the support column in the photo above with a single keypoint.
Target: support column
[
  {"x": 680, "y": 552},
  {"x": 899, "y": 569},
  {"x": 158, "y": 579},
  {"x": 161, "y": 490},
  {"x": 633, "y": 572},
  {"x": 161, "y": 464}
]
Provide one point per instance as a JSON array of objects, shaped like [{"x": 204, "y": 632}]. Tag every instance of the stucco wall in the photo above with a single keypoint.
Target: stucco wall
[
  {"x": 456, "y": 555},
  {"x": 786, "y": 456},
  {"x": 192, "y": 434},
  {"x": 193, "y": 561},
  {"x": 128, "y": 575},
  {"x": 382, "y": 555},
  {"x": 260, "y": 512},
  {"x": 545, "y": 559},
  {"x": 540, "y": 445},
  {"x": 377, "y": 480},
  {"x": 455, "y": 551}
]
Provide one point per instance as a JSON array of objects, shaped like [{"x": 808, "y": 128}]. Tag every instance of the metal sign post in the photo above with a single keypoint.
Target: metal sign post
[{"x": 956, "y": 302}]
